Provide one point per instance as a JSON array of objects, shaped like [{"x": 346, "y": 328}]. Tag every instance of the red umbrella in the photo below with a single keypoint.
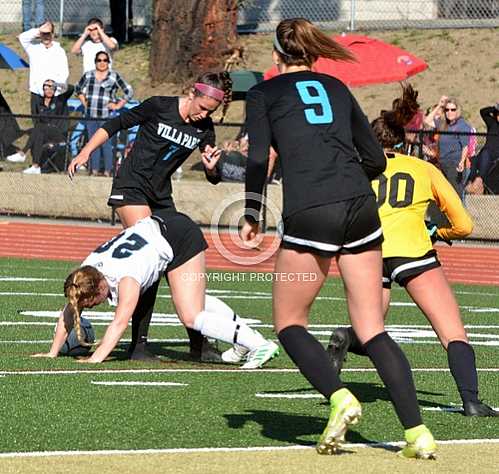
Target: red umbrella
[{"x": 378, "y": 62}]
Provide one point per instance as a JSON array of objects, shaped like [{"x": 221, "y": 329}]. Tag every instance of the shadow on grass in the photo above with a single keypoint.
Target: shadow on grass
[{"x": 287, "y": 427}]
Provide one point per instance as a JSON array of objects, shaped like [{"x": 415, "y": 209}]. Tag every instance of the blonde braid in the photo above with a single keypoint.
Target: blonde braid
[{"x": 80, "y": 285}]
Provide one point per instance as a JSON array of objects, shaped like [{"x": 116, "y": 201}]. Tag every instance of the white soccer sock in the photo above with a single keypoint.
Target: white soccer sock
[
  {"x": 224, "y": 329},
  {"x": 215, "y": 305}
]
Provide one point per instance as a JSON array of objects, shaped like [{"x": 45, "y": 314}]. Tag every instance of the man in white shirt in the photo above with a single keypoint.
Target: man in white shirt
[
  {"x": 47, "y": 59},
  {"x": 92, "y": 41}
]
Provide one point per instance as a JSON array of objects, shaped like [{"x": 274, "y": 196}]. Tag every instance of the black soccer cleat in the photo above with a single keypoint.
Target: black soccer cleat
[
  {"x": 209, "y": 353},
  {"x": 478, "y": 409},
  {"x": 337, "y": 349},
  {"x": 140, "y": 353}
]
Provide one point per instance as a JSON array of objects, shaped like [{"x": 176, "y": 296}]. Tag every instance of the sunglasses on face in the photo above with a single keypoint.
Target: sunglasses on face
[
  {"x": 48, "y": 86},
  {"x": 102, "y": 60},
  {"x": 451, "y": 110}
]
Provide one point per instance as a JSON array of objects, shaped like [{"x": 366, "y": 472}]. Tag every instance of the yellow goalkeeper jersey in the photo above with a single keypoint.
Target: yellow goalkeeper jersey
[{"x": 404, "y": 192}]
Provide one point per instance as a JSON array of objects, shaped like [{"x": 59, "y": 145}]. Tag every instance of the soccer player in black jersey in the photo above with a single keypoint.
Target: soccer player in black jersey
[
  {"x": 408, "y": 255},
  {"x": 328, "y": 156},
  {"x": 170, "y": 129}
]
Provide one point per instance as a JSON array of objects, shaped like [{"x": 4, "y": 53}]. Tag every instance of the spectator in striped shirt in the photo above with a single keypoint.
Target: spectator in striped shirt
[{"x": 97, "y": 91}]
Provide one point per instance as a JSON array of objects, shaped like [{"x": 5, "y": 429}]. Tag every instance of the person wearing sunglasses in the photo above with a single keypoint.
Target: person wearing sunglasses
[
  {"x": 97, "y": 91},
  {"x": 453, "y": 147},
  {"x": 47, "y": 129},
  {"x": 93, "y": 40}
]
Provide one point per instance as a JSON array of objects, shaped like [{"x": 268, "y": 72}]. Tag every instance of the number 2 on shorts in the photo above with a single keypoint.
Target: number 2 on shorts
[{"x": 313, "y": 93}]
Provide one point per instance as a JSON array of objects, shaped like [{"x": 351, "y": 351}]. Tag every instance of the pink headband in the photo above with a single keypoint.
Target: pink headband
[{"x": 210, "y": 91}]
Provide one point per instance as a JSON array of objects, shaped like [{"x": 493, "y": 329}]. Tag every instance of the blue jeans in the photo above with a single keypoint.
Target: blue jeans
[
  {"x": 28, "y": 13},
  {"x": 105, "y": 151}
]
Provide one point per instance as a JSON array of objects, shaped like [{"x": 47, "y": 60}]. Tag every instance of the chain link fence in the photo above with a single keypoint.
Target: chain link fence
[
  {"x": 74, "y": 14},
  {"x": 263, "y": 15}
]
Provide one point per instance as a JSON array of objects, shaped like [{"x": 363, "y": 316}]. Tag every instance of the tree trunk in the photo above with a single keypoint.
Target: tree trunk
[{"x": 191, "y": 37}]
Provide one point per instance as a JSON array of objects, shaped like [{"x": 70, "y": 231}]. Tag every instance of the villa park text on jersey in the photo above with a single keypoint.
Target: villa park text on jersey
[{"x": 178, "y": 137}]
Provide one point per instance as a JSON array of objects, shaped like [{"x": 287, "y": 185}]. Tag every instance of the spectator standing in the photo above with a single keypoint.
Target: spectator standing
[
  {"x": 47, "y": 59},
  {"x": 28, "y": 13},
  {"x": 97, "y": 91},
  {"x": 47, "y": 129},
  {"x": 453, "y": 148},
  {"x": 92, "y": 41}
]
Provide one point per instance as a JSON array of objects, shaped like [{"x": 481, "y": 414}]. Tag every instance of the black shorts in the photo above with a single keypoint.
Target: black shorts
[
  {"x": 350, "y": 226},
  {"x": 136, "y": 196},
  {"x": 401, "y": 269},
  {"x": 183, "y": 235}
]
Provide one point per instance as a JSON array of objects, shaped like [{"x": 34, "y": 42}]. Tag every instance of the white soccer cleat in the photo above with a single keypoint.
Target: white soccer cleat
[
  {"x": 235, "y": 355},
  {"x": 261, "y": 355}
]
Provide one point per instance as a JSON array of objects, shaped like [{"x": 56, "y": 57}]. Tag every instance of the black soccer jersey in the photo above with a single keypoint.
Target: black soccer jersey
[
  {"x": 164, "y": 141},
  {"x": 327, "y": 149}
]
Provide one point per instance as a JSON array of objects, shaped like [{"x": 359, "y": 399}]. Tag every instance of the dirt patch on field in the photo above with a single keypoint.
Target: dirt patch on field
[{"x": 451, "y": 459}]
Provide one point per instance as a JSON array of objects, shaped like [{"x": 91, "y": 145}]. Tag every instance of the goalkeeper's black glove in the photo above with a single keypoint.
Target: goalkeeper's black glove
[{"x": 433, "y": 233}]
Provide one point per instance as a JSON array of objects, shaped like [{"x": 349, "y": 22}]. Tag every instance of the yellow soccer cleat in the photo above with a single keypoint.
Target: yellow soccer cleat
[
  {"x": 345, "y": 412},
  {"x": 420, "y": 444}
]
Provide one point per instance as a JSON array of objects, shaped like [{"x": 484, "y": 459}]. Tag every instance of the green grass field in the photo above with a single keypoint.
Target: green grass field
[{"x": 61, "y": 405}]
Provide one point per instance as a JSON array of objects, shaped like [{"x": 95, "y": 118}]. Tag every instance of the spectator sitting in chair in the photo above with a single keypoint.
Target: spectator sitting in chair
[
  {"x": 46, "y": 129},
  {"x": 92, "y": 41},
  {"x": 97, "y": 92},
  {"x": 231, "y": 167}
]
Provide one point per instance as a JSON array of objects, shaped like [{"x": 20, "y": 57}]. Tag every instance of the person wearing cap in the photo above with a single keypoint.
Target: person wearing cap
[{"x": 170, "y": 129}]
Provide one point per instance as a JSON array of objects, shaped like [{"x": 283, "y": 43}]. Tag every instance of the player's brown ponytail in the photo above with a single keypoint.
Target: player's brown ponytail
[
  {"x": 80, "y": 285},
  {"x": 300, "y": 43},
  {"x": 389, "y": 126}
]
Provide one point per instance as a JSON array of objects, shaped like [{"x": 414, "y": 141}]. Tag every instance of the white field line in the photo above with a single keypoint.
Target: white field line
[
  {"x": 447, "y": 409},
  {"x": 204, "y": 371},
  {"x": 249, "y": 295},
  {"x": 288, "y": 395},
  {"x": 122, "y": 341},
  {"x": 213, "y": 291},
  {"x": 115, "y": 452},
  {"x": 28, "y": 279},
  {"x": 135, "y": 383}
]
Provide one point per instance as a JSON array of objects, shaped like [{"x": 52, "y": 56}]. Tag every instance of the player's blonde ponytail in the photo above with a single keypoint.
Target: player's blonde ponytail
[{"x": 79, "y": 286}]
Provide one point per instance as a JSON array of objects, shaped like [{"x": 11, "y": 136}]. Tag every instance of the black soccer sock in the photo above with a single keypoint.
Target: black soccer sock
[
  {"x": 309, "y": 356},
  {"x": 141, "y": 318},
  {"x": 195, "y": 341},
  {"x": 395, "y": 371},
  {"x": 356, "y": 347},
  {"x": 461, "y": 357}
]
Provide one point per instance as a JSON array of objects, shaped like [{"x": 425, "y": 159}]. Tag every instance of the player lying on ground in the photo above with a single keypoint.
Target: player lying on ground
[
  {"x": 409, "y": 258},
  {"x": 125, "y": 266}
]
